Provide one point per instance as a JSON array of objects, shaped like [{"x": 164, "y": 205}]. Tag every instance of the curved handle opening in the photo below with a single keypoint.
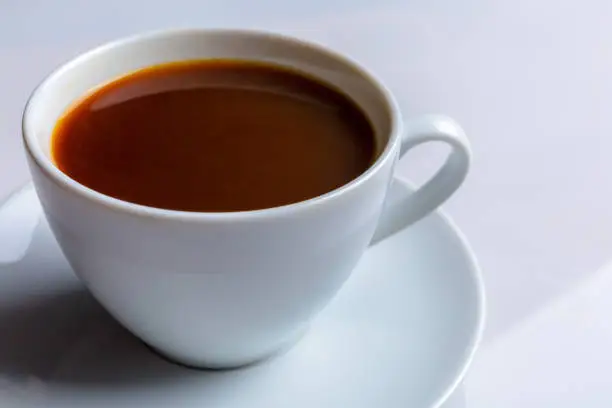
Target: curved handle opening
[{"x": 406, "y": 211}]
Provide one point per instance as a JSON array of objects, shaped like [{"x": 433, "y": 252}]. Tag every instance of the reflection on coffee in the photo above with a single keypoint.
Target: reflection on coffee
[{"x": 217, "y": 135}]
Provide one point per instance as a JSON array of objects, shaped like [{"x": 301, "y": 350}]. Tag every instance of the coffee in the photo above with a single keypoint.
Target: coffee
[{"x": 214, "y": 136}]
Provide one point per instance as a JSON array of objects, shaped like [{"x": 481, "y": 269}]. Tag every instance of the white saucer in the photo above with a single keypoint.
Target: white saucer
[{"x": 401, "y": 333}]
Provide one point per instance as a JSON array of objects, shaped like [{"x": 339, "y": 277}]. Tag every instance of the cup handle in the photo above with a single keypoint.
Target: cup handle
[{"x": 404, "y": 211}]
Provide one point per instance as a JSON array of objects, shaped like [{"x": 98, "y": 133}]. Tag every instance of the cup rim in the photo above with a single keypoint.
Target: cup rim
[{"x": 62, "y": 180}]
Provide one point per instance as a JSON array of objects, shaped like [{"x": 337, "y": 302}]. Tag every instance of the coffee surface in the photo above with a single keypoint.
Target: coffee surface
[{"x": 214, "y": 136}]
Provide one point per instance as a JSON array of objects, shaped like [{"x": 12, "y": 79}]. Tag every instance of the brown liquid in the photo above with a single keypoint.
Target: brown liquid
[{"x": 214, "y": 136}]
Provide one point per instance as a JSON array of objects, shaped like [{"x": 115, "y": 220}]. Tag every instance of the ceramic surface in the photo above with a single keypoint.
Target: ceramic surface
[
  {"x": 228, "y": 289},
  {"x": 401, "y": 333}
]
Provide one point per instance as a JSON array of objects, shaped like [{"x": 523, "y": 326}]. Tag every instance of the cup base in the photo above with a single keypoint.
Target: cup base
[{"x": 231, "y": 364}]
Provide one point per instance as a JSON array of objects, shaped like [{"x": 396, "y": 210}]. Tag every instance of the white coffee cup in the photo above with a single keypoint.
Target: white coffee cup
[{"x": 226, "y": 289}]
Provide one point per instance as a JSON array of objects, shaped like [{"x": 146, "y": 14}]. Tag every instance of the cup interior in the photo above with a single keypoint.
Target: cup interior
[{"x": 91, "y": 70}]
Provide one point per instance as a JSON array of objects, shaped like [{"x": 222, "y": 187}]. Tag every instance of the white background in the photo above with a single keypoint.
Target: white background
[{"x": 530, "y": 81}]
